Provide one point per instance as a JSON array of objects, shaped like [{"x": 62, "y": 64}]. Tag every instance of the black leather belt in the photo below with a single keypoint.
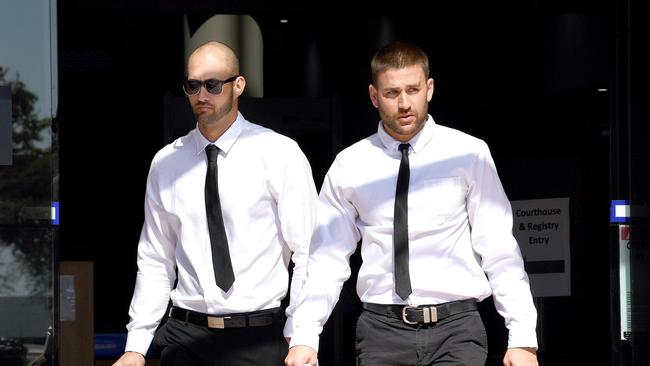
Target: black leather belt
[
  {"x": 259, "y": 318},
  {"x": 422, "y": 314}
]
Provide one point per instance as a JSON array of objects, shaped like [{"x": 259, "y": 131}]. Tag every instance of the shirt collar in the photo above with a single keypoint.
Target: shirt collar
[
  {"x": 225, "y": 141},
  {"x": 418, "y": 142}
]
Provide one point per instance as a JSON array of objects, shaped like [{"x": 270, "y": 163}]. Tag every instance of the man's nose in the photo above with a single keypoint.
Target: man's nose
[
  {"x": 404, "y": 102},
  {"x": 204, "y": 94}
]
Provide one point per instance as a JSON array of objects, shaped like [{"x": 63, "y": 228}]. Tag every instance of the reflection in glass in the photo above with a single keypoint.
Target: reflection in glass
[
  {"x": 26, "y": 184},
  {"x": 25, "y": 292}
]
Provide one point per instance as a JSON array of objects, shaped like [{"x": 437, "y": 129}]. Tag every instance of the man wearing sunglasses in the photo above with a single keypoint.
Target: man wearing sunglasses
[{"x": 226, "y": 206}]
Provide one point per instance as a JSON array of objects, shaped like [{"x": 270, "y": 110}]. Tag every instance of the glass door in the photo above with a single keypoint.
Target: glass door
[{"x": 28, "y": 182}]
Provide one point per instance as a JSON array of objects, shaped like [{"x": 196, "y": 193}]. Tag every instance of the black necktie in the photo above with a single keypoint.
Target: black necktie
[
  {"x": 223, "y": 272},
  {"x": 400, "y": 227}
]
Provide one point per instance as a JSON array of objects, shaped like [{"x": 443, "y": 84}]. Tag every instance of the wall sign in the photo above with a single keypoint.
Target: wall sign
[{"x": 541, "y": 228}]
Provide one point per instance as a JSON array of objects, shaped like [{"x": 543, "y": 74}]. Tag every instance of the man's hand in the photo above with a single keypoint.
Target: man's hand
[
  {"x": 130, "y": 359},
  {"x": 524, "y": 356},
  {"x": 301, "y": 356}
]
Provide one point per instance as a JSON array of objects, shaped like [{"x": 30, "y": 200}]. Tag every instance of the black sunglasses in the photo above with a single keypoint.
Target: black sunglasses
[{"x": 213, "y": 86}]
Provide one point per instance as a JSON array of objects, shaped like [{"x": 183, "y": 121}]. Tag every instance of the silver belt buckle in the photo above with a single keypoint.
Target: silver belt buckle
[
  {"x": 404, "y": 309},
  {"x": 430, "y": 314},
  {"x": 216, "y": 322}
]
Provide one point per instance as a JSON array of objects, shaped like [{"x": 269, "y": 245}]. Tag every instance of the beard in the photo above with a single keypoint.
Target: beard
[
  {"x": 217, "y": 114},
  {"x": 390, "y": 121}
]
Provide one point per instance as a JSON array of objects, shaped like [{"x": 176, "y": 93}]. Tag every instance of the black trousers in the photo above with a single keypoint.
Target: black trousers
[
  {"x": 187, "y": 344},
  {"x": 459, "y": 340}
]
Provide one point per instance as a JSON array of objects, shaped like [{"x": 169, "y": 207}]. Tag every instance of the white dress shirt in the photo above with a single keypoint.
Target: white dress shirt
[
  {"x": 269, "y": 203},
  {"x": 459, "y": 228}
]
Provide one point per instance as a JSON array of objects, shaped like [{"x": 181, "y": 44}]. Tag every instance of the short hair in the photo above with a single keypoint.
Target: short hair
[{"x": 398, "y": 55}]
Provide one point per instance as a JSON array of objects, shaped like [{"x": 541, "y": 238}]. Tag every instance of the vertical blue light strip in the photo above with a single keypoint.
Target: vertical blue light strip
[{"x": 55, "y": 213}]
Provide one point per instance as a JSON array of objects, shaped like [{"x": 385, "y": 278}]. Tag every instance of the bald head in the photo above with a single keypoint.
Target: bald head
[{"x": 215, "y": 53}]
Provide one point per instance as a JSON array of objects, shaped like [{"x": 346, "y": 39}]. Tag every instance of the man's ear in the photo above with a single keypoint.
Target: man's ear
[
  {"x": 430, "y": 89},
  {"x": 240, "y": 85},
  {"x": 373, "y": 95}
]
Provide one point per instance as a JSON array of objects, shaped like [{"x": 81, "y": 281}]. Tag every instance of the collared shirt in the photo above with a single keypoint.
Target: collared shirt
[
  {"x": 459, "y": 229},
  {"x": 268, "y": 200}
]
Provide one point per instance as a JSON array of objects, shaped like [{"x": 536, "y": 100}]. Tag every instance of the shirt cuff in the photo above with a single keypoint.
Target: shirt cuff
[
  {"x": 288, "y": 327},
  {"x": 520, "y": 339},
  {"x": 138, "y": 341},
  {"x": 300, "y": 336},
  {"x": 308, "y": 340}
]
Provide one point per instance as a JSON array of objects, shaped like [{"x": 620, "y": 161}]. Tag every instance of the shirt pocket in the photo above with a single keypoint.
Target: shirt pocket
[{"x": 434, "y": 201}]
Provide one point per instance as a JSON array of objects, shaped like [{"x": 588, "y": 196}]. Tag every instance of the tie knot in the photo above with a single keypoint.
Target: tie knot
[
  {"x": 403, "y": 147},
  {"x": 211, "y": 151}
]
